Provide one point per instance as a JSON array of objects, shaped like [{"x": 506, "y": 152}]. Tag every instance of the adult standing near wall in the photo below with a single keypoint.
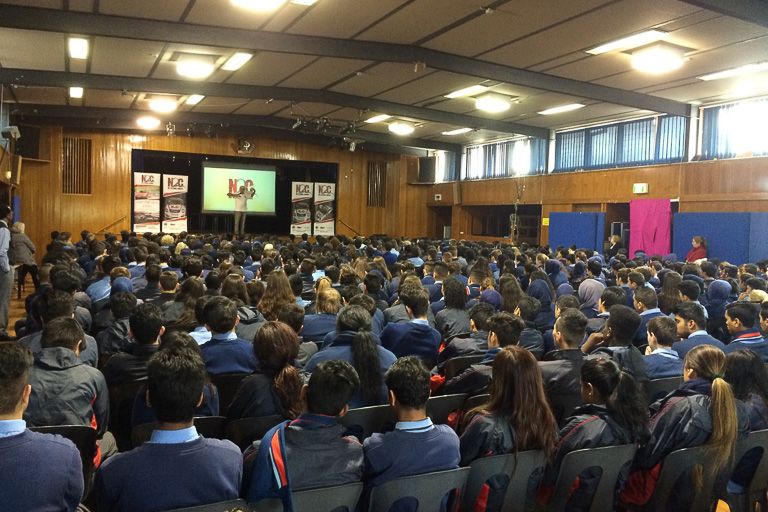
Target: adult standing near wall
[
  {"x": 6, "y": 272},
  {"x": 21, "y": 252},
  {"x": 241, "y": 207},
  {"x": 699, "y": 250}
]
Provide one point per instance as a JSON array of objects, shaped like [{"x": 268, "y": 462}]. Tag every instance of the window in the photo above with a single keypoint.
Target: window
[
  {"x": 640, "y": 142},
  {"x": 735, "y": 129},
  {"x": 445, "y": 166},
  {"x": 509, "y": 158},
  {"x": 76, "y": 166}
]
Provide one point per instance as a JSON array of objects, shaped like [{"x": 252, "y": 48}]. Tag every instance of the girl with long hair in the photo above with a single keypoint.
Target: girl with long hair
[
  {"x": 669, "y": 296},
  {"x": 275, "y": 388},
  {"x": 355, "y": 344},
  {"x": 233, "y": 287},
  {"x": 702, "y": 411},
  {"x": 317, "y": 325},
  {"x": 180, "y": 313},
  {"x": 511, "y": 293},
  {"x": 277, "y": 295},
  {"x": 454, "y": 319}
]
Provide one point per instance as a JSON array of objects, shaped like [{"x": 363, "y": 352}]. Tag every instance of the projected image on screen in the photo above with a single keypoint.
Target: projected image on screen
[{"x": 221, "y": 179}]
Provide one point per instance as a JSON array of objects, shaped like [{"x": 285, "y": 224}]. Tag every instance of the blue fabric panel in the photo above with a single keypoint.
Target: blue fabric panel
[
  {"x": 727, "y": 234},
  {"x": 580, "y": 229},
  {"x": 758, "y": 236}
]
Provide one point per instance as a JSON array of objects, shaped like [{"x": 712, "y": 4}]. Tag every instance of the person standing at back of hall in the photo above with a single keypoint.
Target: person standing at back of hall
[
  {"x": 241, "y": 207},
  {"x": 6, "y": 272}
]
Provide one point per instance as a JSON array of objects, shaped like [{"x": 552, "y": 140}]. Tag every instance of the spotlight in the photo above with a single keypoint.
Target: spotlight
[
  {"x": 170, "y": 129},
  {"x": 352, "y": 146},
  {"x": 299, "y": 121}
]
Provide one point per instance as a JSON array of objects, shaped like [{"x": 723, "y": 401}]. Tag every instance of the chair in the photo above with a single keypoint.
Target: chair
[
  {"x": 674, "y": 466},
  {"x": 518, "y": 468},
  {"x": 473, "y": 401},
  {"x": 370, "y": 419},
  {"x": 85, "y": 440},
  {"x": 456, "y": 365},
  {"x": 323, "y": 499},
  {"x": 221, "y": 506},
  {"x": 659, "y": 388},
  {"x": 758, "y": 487},
  {"x": 610, "y": 460},
  {"x": 440, "y": 407},
  {"x": 227, "y": 385},
  {"x": 213, "y": 427},
  {"x": 245, "y": 431},
  {"x": 428, "y": 489},
  {"x": 121, "y": 399},
  {"x": 141, "y": 434}
]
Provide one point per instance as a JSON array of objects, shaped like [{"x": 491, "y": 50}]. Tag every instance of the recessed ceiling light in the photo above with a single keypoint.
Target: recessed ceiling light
[
  {"x": 148, "y": 122},
  {"x": 377, "y": 119},
  {"x": 163, "y": 105},
  {"x": 400, "y": 128},
  {"x": 194, "y": 99},
  {"x": 237, "y": 61},
  {"x": 259, "y": 5},
  {"x": 627, "y": 43},
  {"x": 303, "y": 2},
  {"x": 75, "y": 92},
  {"x": 743, "y": 70},
  {"x": 658, "y": 59},
  {"x": 458, "y": 131},
  {"x": 493, "y": 103},
  {"x": 562, "y": 108},
  {"x": 78, "y": 48},
  {"x": 195, "y": 67},
  {"x": 467, "y": 91}
]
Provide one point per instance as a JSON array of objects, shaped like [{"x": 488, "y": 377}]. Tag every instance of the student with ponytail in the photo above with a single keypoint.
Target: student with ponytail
[
  {"x": 702, "y": 411},
  {"x": 614, "y": 413},
  {"x": 275, "y": 388},
  {"x": 355, "y": 344}
]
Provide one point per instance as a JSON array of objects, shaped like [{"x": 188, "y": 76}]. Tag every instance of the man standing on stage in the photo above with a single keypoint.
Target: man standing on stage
[{"x": 241, "y": 207}]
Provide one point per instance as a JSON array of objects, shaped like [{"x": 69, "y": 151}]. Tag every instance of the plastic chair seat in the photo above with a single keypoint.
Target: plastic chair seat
[
  {"x": 221, "y": 506},
  {"x": 428, "y": 489},
  {"x": 659, "y": 388},
  {"x": 370, "y": 419},
  {"x": 674, "y": 466},
  {"x": 84, "y": 439},
  {"x": 518, "y": 467}
]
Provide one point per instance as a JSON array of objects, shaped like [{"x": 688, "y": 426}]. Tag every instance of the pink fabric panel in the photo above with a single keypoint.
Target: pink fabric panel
[{"x": 650, "y": 222}]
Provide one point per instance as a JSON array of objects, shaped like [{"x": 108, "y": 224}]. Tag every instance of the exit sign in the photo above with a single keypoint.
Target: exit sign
[{"x": 640, "y": 188}]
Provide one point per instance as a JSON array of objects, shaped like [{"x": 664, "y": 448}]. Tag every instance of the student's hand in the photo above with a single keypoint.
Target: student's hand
[
  {"x": 595, "y": 340},
  {"x": 648, "y": 350}
]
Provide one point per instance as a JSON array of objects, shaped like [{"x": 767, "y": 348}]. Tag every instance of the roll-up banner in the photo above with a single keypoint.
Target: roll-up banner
[
  {"x": 301, "y": 208},
  {"x": 174, "y": 203},
  {"x": 325, "y": 216},
  {"x": 146, "y": 202}
]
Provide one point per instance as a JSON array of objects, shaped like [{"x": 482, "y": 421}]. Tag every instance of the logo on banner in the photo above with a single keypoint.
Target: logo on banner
[
  {"x": 173, "y": 183},
  {"x": 303, "y": 189},
  {"x": 148, "y": 179},
  {"x": 235, "y": 184}
]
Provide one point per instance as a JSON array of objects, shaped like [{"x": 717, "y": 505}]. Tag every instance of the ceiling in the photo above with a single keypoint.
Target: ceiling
[{"x": 350, "y": 59}]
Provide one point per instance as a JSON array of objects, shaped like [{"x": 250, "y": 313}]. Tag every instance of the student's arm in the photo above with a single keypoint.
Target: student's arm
[
  {"x": 474, "y": 442},
  {"x": 73, "y": 494},
  {"x": 101, "y": 405}
]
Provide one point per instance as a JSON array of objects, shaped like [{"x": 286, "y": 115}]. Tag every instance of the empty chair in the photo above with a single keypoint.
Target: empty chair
[
  {"x": 473, "y": 401},
  {"x": 428, "y": 489},
  {"x": 676, "y": 465},
  {"x": 370, "y": 419},
  {"x": 516, "y": 468},
  {"x": 85, "y": 440},
  {"x": 659, "y": 388},
  {"x": 456, "y": 365},
  {"x": 610, "y": 460},
  {"x": 221, "y": 506},
  {"x": 245, "y": 431},
  {"x": 439, "y": 407},
  {"x": 227, "y": 385},
  {"x": 758, "y": 486}
]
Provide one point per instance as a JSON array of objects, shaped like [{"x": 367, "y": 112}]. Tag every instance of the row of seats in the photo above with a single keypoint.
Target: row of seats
[{"x": 467, "y": 483}]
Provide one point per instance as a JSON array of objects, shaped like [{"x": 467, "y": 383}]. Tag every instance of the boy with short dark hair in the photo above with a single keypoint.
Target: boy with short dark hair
[
  {"x": 661, "y": 361},
  {"x": 740, "y": 319},
  {"x": 225, "y": 352},
  {"x": 415, "y": 337}
]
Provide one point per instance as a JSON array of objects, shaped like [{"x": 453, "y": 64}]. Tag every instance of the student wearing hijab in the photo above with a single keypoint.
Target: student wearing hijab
[{"x": 589, "y": 294}]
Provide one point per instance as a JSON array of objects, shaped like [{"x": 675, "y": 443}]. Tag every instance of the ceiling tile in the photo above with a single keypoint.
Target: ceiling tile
[
  {"x": 222, "y": 13},
  {"x": 432, "y": 85},
  {"x": 417, "y": 20},
  {"x": 41, "y": 95},
  {"x": 169, "y": 10},
  {"x": 342, "y": 18},
  {"x": 107, "y": 99},
  {"x": 377, "y": 79},
  {"x": 323, "y": 72},
  {"x": 269, "y": 68},
  {"x": 81, "y": 5},
  {"x": 123, "y": 57},
  {"x": 588, "y": 114},
  {"x": 284, "y": 17},
  {"x": 32, "y": 49}
]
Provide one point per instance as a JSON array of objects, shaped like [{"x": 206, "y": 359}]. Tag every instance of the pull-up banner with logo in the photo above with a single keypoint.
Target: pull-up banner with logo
[
  {"x": 146, "y": 202},
  {"x": 301, "y": 208},
  {"x": 325, "y": 215},
  {"x": 175, "y": 203}
]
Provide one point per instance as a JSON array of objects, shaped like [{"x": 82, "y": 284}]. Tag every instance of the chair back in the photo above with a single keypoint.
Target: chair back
[
  {"x": 245, "y": 431},
  {"x": 758, "y": 486},
  {"x": 328, "y": 499},
  {"x": 428, "y": 489},
  {"x": 610, "y": 460},
  {"x": 85, "y": 441},
  {"x": 517, "y": 468},
  {"x": 121, "y": 399},
  {"x": 212, "y": 427},
  {"x": 456, "y": 365},
  {"x": 563, "y": 404},
  {"x": 674, "y": 466},
  {"x": 221, "y": 506},
  {"x": 439, "y": 407},
  {"x": 369, "y": 419},
  {"x": 659, "y": 388},
  {"x": 227, "y": 385}
]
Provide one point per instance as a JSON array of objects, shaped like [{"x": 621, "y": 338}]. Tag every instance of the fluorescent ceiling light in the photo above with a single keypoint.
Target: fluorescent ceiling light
[
  {"x": 237, "y": 61},
  {"x": 148, "y": 122},
  {"x": 493, "y": 103},
  {"x": 467, "y": 91},
  {"x": 743, "y": 70},
  {"x": 458, "y": 131},
  {"x": 194, "y": 99},
  {"x": 400, "y": 128},
  {"x": 377, "y": 119},
  {"x": 196, "y": 68},
  {"x": 303, "y": 2},
  {"x": 657, "y": 59},
  {"x": 163, "y": 105},
  {"x": 627, "y": 43},
  {"x": 75, "y": 92},
  {"x": 562, "y": 108},
  {"x": 78, "y": 48},
  {"x": 259, "y": 5}
]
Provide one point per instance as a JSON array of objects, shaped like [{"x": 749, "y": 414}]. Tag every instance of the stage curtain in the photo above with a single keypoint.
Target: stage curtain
[{"x": 650, "y": 226}]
